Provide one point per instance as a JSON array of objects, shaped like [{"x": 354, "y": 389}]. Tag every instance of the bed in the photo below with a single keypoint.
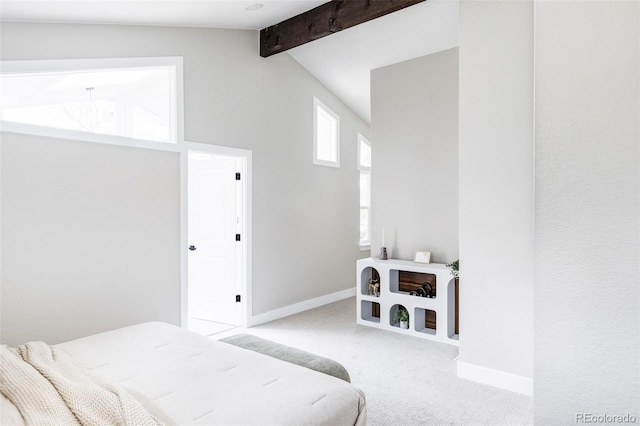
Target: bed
[{"x": 189, "y": 379}]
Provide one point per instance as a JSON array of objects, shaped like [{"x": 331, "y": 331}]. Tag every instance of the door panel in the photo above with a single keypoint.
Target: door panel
[{"x": 213, "y": 267}]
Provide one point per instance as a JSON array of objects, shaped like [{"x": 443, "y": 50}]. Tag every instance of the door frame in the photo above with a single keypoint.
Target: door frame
[{"x": 246, "y": 279}]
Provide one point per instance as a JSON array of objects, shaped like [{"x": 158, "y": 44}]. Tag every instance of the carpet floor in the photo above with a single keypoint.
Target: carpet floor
[{"x": 406, "y": 380}]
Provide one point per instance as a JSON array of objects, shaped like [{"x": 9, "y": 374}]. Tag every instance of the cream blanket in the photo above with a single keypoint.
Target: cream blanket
[{"x": 48, "y": 387}]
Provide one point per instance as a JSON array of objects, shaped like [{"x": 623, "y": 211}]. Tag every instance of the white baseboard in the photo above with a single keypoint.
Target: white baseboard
[
  {"x": 497, "y": 378},
  {"x": 301, "y": 307}
]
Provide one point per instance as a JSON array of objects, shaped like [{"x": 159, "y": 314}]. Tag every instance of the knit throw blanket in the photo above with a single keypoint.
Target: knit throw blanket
[{"x": 49, "y": 388}]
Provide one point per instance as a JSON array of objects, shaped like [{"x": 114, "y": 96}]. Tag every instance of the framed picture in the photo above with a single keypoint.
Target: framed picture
[{"x": 422, "y": 257}]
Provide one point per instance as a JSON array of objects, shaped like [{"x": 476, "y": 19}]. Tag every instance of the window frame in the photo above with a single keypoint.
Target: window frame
[
  {"x": 317, "y": 161},
  {"x": 365, "y": 244},
  {"x": 58, "y": 65},
  {"x": 362, "y": 139}
]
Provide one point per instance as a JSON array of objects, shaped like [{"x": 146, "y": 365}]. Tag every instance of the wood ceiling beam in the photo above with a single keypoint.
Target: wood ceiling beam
[{"x": 324, "y": 20}]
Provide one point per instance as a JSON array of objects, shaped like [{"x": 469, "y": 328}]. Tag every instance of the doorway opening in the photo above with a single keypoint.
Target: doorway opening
[{"x": 217, "y": 238}]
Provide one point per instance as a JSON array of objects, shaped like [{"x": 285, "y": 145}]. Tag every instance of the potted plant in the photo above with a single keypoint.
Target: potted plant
[
  {"x": 402, "y": 315},
  {"x": 455, "y": 268}
]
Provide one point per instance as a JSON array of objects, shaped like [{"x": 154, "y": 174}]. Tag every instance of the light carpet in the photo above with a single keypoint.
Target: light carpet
[{"x": 406, "y": 380}]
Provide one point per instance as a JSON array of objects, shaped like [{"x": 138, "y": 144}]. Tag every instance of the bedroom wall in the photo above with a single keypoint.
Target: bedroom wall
[
  {"x": 305, "y": 217},
  {"x": 496, "y": 193},
  {"x": 414, "y": 128},
  {"x": 587, "y": 198},
  {"x": 587, "y": 295},
  {"x": 90, "y": 237}
]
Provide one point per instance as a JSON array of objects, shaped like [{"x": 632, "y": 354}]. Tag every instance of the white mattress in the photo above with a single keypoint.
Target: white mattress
[{"x": 196, "y": 380}]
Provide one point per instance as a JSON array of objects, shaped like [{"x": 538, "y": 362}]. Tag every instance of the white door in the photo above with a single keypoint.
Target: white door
[{"x": 214, "y": 223}]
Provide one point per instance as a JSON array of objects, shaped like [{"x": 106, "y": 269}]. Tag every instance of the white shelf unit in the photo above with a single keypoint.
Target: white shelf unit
[{"x": 390, "y": 298}]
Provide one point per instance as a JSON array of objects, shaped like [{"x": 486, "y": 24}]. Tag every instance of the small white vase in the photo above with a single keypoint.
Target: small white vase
[{"x": 404, "y": 324}]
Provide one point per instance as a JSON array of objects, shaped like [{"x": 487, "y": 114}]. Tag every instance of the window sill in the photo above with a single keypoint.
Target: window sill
[
  {"x": 365, "y": 247},
  {"x": 325, "y": 163},
  {"x": 75, "y": 135}
]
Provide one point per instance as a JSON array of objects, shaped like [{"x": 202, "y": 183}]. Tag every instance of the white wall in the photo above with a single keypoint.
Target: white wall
[
  {"x": 90, "y": 238},
  {"x": 496, "y": 193},
  {"x": 587, "y": 201},
  {"x": 305, "y": 217},
  {"x": 587, "y": 294},
  {"x": 414, "y": 128}
]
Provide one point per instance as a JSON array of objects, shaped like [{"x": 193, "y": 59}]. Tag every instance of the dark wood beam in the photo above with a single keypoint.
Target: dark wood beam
[{"x": 326, "y": 19}]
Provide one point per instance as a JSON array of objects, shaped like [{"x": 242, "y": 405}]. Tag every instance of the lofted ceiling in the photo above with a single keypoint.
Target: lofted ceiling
[{"x": 342, "y": 61}]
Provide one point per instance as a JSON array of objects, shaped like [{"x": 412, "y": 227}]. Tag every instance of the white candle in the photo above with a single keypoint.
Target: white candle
[{"x": 383, "y": 238}]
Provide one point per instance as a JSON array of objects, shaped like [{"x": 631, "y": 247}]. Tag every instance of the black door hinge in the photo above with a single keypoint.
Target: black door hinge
[
  {"x": 237, "y": 176},
  {"x": 237, "y": 237},
  {"x": 237, "y": 298}
]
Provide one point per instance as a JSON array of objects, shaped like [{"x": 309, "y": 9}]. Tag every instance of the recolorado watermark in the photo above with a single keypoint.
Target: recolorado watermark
[{"x": 604, "y": 418}]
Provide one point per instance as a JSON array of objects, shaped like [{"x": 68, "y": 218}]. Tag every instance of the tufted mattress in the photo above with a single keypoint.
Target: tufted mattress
[{"x": 193, "y": 380}]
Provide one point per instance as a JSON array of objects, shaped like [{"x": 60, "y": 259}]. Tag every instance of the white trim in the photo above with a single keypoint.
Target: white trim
[
  {"x": 184, "y": 238},
  {"x": 246, "y": 232},
  {"x": 496, "y": 378},
  {"x": 51, "y": 65},
  {"x": 34, "y": 66},
  {"x": 75, "y": 135},
  {"x": 317, "y": 103},
  {"x": 301, "y": 306},
  {"x": 364, "y": 169},
  {"x": 366, "y": 242}
]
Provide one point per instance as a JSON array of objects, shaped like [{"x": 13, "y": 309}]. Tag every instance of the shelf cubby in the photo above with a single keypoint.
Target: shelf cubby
[
  {"x": 392, "y": 314},
  {"x": 404, "y": 282},
  {"x": 369, "y": 311},
  {"x": 367, "y": 274},
  {"x": 425, "y": 321}
]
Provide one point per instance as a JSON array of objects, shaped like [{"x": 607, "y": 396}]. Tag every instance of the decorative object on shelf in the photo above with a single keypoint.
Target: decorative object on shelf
[
  {"x": 383, "y": 249},
  {"x": 428, "y": 290},
  {"x": 422, "y": 257},
  {"x": 383, "y": 253},
  {"x": 425, "y": 291},
  {"x": 455, "y": 268},
  {"x": 402, "y": 316},
  {"x": 374, "y": 288}
]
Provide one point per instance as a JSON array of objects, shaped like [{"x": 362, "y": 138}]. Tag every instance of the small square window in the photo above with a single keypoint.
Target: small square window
[{"x": 326, "y": 135}]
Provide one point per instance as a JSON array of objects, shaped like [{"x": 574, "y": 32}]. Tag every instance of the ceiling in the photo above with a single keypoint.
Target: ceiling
[
  {"x": 342, "y": 61},
  {"x": 182, "y": 13}
]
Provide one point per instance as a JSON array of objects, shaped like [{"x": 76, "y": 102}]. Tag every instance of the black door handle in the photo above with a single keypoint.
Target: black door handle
[{"x": 192, "y": 248}]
